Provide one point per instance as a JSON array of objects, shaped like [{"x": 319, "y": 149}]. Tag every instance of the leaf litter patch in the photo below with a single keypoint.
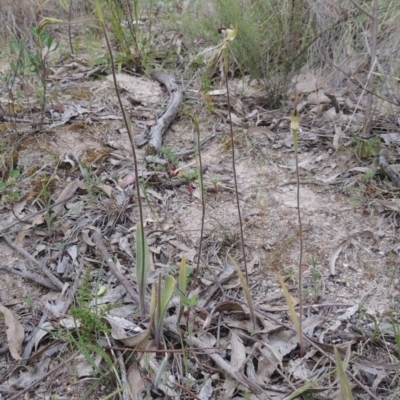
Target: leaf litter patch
[{"x": 213, "y": 351}]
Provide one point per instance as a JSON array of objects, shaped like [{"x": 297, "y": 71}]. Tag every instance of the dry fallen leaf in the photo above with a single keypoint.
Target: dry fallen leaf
[
  {"x": 118, "y": 333},
  {"x": 238, "y": 352},
  {"x": 135, "y": 381},
  {"x": 15, "y": 331},
  {"x": 84, "y": 368}
]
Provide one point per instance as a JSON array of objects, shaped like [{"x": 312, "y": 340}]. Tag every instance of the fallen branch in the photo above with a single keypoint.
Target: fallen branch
[{"x": 158, "y": 130}]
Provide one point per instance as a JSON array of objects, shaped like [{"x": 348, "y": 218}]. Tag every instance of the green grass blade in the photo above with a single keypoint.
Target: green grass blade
[{"x": 343, "y": 381}]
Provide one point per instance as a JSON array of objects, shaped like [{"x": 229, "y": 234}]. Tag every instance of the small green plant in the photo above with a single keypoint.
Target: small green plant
[
  {"x": 367, "y": 148},
  {"x": 293, "y": 316},
  {"x": 90, "y": 322},
  {"x": 134, "y": 39},
  {"x": 18, "y": 65},
  {"x": 185, "y": 300},
  {"x": 28, "y": 301},
  {"x": 7, "y": 193},
  {"x": 395, "y": 328},
  {"x": 216, "y": 183},
  {"x": 34, "y": 60},
  {"x": 368, "y": 175},
  {"x": 344, "y": 384},
  {"x": 44, "y": 198},
  {"x": 38, "y": 58},
  {"x": 190, "y": 176},
  {"x": 170, "y": 156},
  {"x": 161, "y": 295}
]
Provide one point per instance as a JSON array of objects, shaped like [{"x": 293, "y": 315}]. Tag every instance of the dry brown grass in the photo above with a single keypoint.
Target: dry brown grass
[
  {"x": 17, "y": 17},
  {"x": 344, "y": 36}
]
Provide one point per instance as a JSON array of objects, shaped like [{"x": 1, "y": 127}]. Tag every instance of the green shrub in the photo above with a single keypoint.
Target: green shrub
[{"x": 271, "y": 35}]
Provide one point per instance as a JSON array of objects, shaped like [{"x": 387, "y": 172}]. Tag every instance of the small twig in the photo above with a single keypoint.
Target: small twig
[
  {"x": 126, "y": 394},
  {"x": 190, "y": 393},
  {"x": 32, "y": 276},
  {"x": 114, "y": 270},
  {"x": 42, "y": 378},
  {"x": 362, "y": 9},
  {"x": 360, "y": 84},
  {"x": 312, "y": 182},
  {"x": 33, "y": 260}
]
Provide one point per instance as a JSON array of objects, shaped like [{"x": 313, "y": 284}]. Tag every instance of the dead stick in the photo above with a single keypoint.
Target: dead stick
[
  {"x": 33, "y": 260},
  {"x": 32, "y": 276},
  {"x": 158, "y": 130}
]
